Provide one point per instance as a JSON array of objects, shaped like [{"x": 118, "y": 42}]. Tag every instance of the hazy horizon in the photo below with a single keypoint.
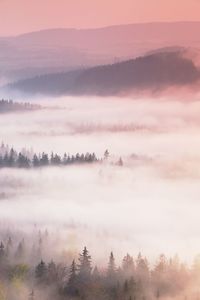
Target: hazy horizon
[
  {"x": 105, "y": 26},
  {"x": 90, "y": 14}
]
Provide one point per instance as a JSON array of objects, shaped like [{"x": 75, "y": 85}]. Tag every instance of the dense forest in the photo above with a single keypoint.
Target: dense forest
[
  {"x": 10, "y": 158},
  {"x": 10, "y": 106},
  {"x": 26, "y": 272}
]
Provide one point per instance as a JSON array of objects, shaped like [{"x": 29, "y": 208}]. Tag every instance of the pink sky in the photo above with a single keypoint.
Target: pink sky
[{"x": 17, "y": 16}]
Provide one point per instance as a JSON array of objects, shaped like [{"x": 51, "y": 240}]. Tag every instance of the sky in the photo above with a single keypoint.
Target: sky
[{"x": 19, "y": 16}]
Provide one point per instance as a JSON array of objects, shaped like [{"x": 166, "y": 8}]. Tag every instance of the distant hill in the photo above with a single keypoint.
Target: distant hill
[
  {"x": 58, "y": 50},
  {"x": 155, "y": 71}
]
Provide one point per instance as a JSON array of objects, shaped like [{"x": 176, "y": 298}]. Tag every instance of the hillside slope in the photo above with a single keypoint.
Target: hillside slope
[
  {"x": 155, "y": 71},
  {"x": 57, "y": 50}
]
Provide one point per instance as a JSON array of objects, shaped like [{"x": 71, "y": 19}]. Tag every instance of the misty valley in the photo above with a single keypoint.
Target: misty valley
[
  {"x": 135, "y": 162},
  {"x": 99, "y": 151}
]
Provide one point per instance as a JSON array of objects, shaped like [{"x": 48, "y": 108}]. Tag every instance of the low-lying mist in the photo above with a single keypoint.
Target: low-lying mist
[{"x": 149, "y": 204}]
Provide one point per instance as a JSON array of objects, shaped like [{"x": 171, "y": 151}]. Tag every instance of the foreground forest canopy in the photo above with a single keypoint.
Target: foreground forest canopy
[
  {"x": 10, "y": 106},
  {"x": 10, "y": 158},
  {"x": 27, "y": 272}
]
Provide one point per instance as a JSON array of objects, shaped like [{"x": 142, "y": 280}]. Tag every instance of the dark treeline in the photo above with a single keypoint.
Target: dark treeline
[
  {"x": 10, "y": 158},
  {"x": 134, "y": 279},
  {"x": 10, "y": 106}
]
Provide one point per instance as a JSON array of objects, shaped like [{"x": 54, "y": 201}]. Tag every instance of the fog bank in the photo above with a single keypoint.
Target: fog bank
[{"x": 149, "y": 204}]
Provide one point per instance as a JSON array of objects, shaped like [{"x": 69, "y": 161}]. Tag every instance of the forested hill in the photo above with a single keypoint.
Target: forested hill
[
  {"x": 155, "y": 71},
  {"x": 58, "y": 49},
  {"x": 10, "y": 106}
]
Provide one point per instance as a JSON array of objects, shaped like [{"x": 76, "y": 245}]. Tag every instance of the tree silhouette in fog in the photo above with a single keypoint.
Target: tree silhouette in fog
[{"x": 10, "y": 158}]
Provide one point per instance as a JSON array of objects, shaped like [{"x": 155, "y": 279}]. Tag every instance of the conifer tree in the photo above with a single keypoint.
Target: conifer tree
[
  {"x": 106, "y": 154},
  {"x": 64, "y": 160},
  {"x": 111, "y": 271},
  {"x": 84, "y": 266},
  {"x": 52, "y": 272},
  {"x": 128, "y": 265},
  {"x": 44, "y": 160},
  {"x": 72, "y": 282},
  {"x": 142, "y": 269},
  {"x": 11, "y": 158},
  {"x": 41, "y": 272},
  {"x": 2, "y": 253},
  {"x": 36, "y": 161},
  {"x": 20, "y": 253},
  {"x": 9, "y": 246}
]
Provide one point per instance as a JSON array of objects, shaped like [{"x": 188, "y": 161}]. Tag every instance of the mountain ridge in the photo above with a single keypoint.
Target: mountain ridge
[
  {"x": 54, "y": 50},
  {"x": 114, "y": 26},
  {"x": 155, "y": 71}
]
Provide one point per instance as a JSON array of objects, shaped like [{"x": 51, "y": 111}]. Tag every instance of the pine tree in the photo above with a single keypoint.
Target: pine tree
[
  {"x": 9, "y": 246},
  {"x": 36, "y": 161},
  {"x": 20, "y": 253},
  {"x": 161, "y": 264},
  {"x": 142, "y": 269},
  {"x": 84, "y": 266},
  {"x": 106, "y": 154},
  {"x": 11, "y": 158},
  {"x": 128, "y": 265},
  {"x": 72, "y": 282},
  {"x": 111, "y": 271},
  {"x": 126, "y": 287},
  {"x": 77, "y": 157},
  {"x": 41, "y": 272},
  {"x": 2, "y": 253},
  {"x": 44, "y": 160},
  {"x": 64, "y": 160},
  {"x": 52, "y": 272}
]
